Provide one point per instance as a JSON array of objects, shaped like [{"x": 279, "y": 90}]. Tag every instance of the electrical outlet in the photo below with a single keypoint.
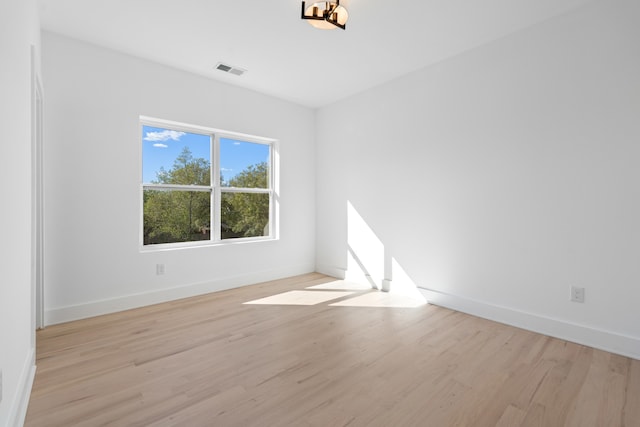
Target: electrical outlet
[
  {"x": 159, "y": 269},
  {"x": 577, "y": 294}
]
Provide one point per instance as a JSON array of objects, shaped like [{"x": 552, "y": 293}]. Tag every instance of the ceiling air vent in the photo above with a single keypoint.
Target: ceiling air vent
[{"x": 230, "y": 69}]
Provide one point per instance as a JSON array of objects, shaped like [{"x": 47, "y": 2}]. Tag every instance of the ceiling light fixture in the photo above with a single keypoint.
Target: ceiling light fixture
[{"x": 326, "y": 15}]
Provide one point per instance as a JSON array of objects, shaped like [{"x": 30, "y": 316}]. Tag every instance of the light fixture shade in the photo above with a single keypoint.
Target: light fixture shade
[{"x": 325, "y": 15}]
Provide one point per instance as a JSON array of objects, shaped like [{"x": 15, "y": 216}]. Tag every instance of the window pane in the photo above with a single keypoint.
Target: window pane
[
  {"x": 244, "y": 215},
  {"x": 174, "y": 157},
  {"x": 176, "y": 216},
  {"x": 244, "y": 164}
]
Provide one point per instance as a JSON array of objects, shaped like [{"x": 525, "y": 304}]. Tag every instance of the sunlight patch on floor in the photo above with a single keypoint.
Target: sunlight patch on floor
[
  {"x": 380, "y": 299},
  {"x": 351, "y": 293},
  {"x": 300, "y": 298},
  {"x": 342, "y": 285}
]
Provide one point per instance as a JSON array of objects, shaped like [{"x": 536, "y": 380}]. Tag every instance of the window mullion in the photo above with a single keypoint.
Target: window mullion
[{"x": 216, "y": 202}]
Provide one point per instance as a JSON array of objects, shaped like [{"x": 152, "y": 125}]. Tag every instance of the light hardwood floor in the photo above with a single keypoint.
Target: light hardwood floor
[{"x": 214, "y": 361}]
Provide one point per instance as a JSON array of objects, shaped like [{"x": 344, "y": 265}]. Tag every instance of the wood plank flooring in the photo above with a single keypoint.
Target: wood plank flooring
[{"x": 214, "y": 361}]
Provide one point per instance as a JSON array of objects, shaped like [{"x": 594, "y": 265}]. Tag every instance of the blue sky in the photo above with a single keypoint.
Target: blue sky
[{"x": 161, "y": 146}]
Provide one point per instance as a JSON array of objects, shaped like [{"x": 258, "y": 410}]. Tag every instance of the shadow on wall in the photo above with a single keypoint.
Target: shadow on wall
[{"x": 369, "y": 261}]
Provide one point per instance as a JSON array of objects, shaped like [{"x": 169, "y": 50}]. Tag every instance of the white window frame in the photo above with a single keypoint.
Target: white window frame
[{"x": 215, "y": 188}]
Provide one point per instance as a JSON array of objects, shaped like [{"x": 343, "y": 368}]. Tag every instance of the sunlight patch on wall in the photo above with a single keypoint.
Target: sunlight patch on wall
[
  {"x": 402, "y": 283},
  {"x": 365, "y": 258}
]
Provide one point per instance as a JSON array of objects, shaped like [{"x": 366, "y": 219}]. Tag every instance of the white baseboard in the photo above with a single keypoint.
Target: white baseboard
[
  {"x": 330, "y": 270},
  {"x": 97, "y": 308},
  {"x": 580, "y": 334},
  {"x": 18, "y": 411}
]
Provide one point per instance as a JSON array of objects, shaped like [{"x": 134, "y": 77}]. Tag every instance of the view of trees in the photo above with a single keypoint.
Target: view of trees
[
  {"x": 246, "y": 214},
  {"x": 183, "y": 216}
]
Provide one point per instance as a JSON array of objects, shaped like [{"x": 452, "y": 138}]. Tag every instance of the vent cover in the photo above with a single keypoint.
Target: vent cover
[{"x": 230, "y": 69}]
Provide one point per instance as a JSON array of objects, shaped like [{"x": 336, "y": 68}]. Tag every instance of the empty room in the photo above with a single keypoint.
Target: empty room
[{"x": 299, "y": 213}]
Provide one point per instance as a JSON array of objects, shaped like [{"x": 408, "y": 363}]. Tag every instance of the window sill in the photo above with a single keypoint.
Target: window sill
[{"x": 164, "y": 247}]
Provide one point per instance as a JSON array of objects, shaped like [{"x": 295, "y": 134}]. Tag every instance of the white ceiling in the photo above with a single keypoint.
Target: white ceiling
[{"x": 285, "y": 56}]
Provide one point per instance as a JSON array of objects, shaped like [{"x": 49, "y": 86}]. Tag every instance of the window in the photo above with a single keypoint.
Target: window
[{"x": 202, "y": 186}]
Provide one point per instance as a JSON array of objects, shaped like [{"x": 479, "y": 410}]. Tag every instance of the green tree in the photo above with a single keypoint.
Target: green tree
[
  {"x": 186, "y": 170},
  {"x": 254, "y": 176},
  {"x": 177, "y": 215},
  {"x": 247, "y": 214},
  {"x": 181, "y": 216}
]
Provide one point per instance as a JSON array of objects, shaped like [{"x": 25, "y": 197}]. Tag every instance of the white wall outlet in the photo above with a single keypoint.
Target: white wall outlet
[
  {"x": 577, "y": 294},
  {"x": 159, "y": 269}
]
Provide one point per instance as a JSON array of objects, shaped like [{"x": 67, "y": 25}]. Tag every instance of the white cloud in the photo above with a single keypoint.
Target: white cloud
[
  {"x": 226, "y": 170},
  {"x": 159, "y": 145},
  {"x": 165, "y": 135},
  {"x": 236, "y": 143}
]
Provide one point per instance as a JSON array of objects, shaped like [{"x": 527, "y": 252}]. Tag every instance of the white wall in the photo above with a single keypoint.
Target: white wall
[
  {"x": 18, "y": 32},
  {"x": 94, "y": 98},
  {"x": 499, "y": 178}
]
